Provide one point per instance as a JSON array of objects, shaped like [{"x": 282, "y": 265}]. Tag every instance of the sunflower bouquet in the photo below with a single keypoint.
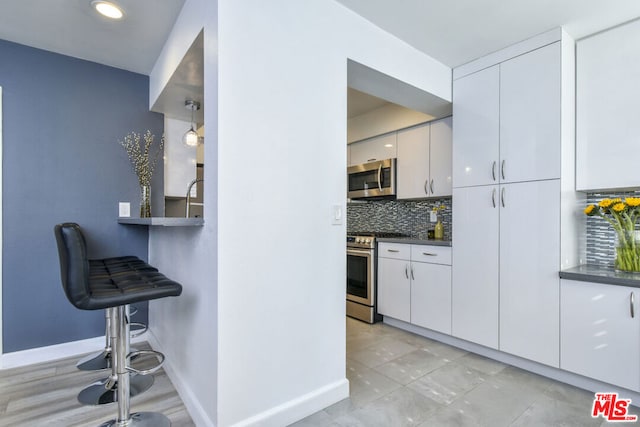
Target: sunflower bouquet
[{"x": 622, "y": 215}]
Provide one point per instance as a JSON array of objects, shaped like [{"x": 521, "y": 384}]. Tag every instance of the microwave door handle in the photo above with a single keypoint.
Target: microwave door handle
[{"x": 380, "y": 177}]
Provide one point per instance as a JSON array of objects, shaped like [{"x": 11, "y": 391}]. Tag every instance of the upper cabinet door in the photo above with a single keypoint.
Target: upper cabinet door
[
  {"x": 476, "y": 113},
  {"x": 370, "y": 150},
  {"x": 413, "y": 163},
  {"x": 440, "y": 158},
  {"x": 607, "y": 94},
  {"x": 530, "y": 116}
]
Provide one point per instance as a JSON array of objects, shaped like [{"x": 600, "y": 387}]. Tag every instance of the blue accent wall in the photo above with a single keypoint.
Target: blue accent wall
[{"x": 62, "y": 119}]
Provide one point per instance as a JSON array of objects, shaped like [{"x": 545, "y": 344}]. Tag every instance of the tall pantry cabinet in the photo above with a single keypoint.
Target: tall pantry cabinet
[{"x": 508, "y": 167}]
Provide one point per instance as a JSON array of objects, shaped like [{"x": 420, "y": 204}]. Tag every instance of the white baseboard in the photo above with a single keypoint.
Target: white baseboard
[
  {"x": 300, "y": 407},
  {"x": 54, "y": 352},
  {"x": 190, "y": 400}
]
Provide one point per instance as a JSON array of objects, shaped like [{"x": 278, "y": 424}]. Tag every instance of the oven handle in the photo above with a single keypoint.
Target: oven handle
[{"x": 359, "y": 252}]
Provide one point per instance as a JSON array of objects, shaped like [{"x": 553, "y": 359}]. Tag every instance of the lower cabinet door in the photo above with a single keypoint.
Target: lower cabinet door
[
  {"x": 394, "y": 289},
  {"x": 600, "y": 332},
  {"x": 431, "y": 296}
]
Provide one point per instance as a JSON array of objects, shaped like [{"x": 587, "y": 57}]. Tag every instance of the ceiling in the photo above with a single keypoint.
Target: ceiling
[
  {"x": 359, "y": 103},
  {"x": 72, "y": 27},
  {"x": 457, "y": 31},
  {"x": 453, "y": 32}
]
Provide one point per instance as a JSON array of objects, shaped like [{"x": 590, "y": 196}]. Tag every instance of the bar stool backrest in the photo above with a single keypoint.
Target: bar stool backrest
[{"x": 74, "y": 263}]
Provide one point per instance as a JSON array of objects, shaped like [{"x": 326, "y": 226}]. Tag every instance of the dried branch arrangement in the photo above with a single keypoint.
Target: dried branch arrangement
[{"x": 139, "y": 149}]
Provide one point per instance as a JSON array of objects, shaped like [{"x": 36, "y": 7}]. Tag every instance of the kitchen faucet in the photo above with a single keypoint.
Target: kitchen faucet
[{"x": 188, "y": 206}]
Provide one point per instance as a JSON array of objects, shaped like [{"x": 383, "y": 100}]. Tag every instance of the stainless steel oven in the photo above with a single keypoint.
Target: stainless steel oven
[{"x": 361, "y": 275}]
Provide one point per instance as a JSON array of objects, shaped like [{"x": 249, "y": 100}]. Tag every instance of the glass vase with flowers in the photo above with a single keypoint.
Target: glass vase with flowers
[{"x": 622, "y": 215}]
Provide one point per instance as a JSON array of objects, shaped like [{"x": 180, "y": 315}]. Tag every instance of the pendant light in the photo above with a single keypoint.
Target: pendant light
[{"x": 190, "y": 139}]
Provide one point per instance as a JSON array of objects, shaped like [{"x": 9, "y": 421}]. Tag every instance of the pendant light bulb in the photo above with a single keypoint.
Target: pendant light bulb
[{"x": 190, "y": 139}]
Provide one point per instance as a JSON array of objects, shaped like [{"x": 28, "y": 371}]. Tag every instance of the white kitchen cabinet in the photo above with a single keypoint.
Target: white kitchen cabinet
[
  {"x": 394, "y": 288},
  {"x": 414, "y": 284},
  {"x": 607, "y": 93},
  {"x": 476, "y": 129},
  {"x": 506, "y": 255},
  {"x": 431, "y": 287},
  {"x": 600, "y": 330},
  {"x": 440, "y": 155},
  {"x": 530, "y": 116},
  {"x": 413, "y": 162},
  {"x": 424, "y": 161},
  {"x": 529, "y": 263},
  {"x": 378, "y": 148},
  {"x": 475, "y": 264},
  {"x": 507, "y": 121}
]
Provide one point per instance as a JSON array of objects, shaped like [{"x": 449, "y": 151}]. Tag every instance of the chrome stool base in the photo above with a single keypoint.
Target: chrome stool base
[
  {"x": 98, "y": 394},
  {"x": 141, "y": 419},
  {"x": 95, "y": 361}
]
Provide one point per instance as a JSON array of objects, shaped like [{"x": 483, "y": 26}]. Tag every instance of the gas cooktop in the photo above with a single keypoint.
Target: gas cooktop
[{"x": 377, "y": 234}]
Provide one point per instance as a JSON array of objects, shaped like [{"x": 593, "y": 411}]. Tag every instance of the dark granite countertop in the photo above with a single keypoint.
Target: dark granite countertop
[
  {"x": 601, "y": 274},
  {"x": 163, "y": 221},
  {"x": 415, "y": 241}
]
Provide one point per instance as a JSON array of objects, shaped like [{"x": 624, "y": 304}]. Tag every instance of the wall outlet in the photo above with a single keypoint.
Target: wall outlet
[
  {"x": 433, "y": 216},
  {"x": 124, "y": 209}
]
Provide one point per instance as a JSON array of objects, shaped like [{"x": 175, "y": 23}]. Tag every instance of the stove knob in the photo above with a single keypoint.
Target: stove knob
[
  {"x": 357, "y": 240},
  {"x": 368, "y": 241}
]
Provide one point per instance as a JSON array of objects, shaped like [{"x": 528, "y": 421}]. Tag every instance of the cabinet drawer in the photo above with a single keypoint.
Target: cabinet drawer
[
  {"x": 394, "y": 251},
  {"x": 431, "y": 254}
]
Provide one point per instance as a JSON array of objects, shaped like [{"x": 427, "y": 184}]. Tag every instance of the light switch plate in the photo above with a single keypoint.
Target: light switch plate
[
  {"x": 433, "y": 216},
  {"x": 124, "y": 209},
  {"x": 337, "y": 215}
]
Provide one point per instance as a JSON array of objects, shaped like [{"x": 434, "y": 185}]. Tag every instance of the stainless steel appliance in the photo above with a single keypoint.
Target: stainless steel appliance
[
  {"x": 361, "y": 275},
  {"x": 374, "y": 179}
]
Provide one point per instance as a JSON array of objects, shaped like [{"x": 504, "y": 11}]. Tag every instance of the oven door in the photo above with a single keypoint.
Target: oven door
[{"x": 360, "y": 276}]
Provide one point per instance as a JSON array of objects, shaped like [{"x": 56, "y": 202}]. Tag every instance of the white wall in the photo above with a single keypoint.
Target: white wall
[
  {"x": 184, "y": 328},
  {"x": 268, "y": 264},
  {"x": 179, "y": 159}
]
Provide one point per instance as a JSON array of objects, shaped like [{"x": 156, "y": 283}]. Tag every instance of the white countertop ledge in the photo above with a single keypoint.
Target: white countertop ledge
[{"x": 164, "y": 221}]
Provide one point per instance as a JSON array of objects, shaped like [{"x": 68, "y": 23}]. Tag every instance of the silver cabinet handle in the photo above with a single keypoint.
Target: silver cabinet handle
[
  {"x": 426, "y": 191},
  {"x": 412, "y": 278},
  {"x": 493, "y": 197},
  {"x": 631, "y": 305},
  {"x": 502, "y": 169},
  {"x": 429, "y": 254},
  {"x": 502, "y": 196},
  {"x": 371, "y": 160},
  {"x": 406, "y": 271},
  {"x": 493, "y": 170},
  {"x": 392, "y": 250},
  {"x": 431, "y": 186},
  {"x": 380, "y": 177}
]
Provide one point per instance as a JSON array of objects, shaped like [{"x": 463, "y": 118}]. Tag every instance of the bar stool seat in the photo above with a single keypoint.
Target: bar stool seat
[{"x": 113, "y": 286}]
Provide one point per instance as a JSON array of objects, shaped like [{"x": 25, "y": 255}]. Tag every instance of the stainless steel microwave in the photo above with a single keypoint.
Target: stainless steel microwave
[{"x": 374, "y": 179}]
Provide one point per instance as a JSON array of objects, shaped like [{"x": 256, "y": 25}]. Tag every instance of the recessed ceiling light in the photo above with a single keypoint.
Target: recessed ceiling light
[{"x": 110, "y": 10}]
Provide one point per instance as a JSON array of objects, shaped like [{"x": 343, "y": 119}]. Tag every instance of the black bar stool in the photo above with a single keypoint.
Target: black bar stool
[
  {"x": 104, "y": 391},
  {"x": 113, "y": 290}
]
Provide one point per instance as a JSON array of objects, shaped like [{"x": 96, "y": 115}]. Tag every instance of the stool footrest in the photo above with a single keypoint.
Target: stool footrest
[
  {"x": 140, "y": 354},
  {"x": 141, "y": 328}
]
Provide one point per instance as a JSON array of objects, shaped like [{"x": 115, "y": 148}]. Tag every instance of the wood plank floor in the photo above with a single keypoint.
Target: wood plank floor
[{"x": 46, "y": 395}]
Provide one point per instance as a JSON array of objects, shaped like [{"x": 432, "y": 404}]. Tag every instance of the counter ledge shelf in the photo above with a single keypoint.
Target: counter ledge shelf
[{"x": 163, "y": 221}]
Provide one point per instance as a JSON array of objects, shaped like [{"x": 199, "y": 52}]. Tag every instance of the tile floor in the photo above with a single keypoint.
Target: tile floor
[{"x": 401, "y": 379}]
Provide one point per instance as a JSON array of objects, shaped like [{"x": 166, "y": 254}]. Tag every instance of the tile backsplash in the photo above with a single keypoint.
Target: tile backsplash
[
  {"x": 601, "y": 239},
  {"x": 409, "y": 217}
]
